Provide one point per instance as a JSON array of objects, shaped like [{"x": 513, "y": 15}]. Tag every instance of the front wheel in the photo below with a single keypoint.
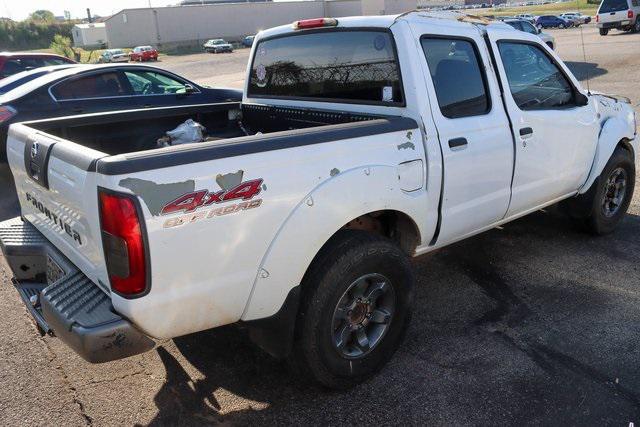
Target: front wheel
[
  {"x": 355, "y": 308},
  {"x": 604, "y": 206},
  {"x": 604, "y": 31}
]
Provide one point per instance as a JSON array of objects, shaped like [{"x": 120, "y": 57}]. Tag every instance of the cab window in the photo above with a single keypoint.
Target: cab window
[
  {"x": 535, "y": 81},
  {"x": 457, "y": 75}
]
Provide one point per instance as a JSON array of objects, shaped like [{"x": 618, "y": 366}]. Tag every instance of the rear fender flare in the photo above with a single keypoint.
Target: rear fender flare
[
  {"x": 614, "y": 131},
  {"x": 317, "y": 217}
]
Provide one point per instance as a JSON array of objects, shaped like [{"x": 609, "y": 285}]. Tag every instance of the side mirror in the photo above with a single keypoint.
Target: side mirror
[
  {"x": 582, "y": 99},
  {"x": 189, "y": 89}
]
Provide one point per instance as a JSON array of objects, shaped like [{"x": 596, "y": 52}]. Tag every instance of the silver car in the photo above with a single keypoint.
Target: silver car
[
  {"x": 527, "y": 27},
  {"x": 113, "y": 55}
]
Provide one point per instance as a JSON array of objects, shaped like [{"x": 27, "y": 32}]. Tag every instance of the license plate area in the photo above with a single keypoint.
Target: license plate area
[{"x": 54, "y": 271}]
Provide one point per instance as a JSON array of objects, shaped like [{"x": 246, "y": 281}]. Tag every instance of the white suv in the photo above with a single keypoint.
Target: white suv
[{"x": 618, "y": 14}]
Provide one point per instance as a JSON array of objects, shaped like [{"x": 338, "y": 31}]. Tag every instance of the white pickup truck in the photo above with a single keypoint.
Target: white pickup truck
[{"x": 359, "y": 143}]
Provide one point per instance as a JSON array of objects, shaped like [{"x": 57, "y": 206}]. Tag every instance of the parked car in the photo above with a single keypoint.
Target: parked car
[
  {"x": 113, "y": 55},
  {"x": 299, "y": 222},
  {"x": 527, "y": 17},
  {"x": 618, "y": 14},
  {"x": 576, "y": 18},
  {"x": 217, "y": 46},
  {"x": 248, "y": 41},
  {"x": 526, "y": 26},
  {"x": 143, "y": 53},
  {"x": 552, "y": 21},
  {"x": 93, "y": 88},
  {"x": 15, "y": 62}
]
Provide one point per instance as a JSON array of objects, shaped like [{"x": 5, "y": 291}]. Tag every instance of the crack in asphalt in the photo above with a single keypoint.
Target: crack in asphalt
[
  {"x": 53, "y": 361},
  {"x": 511, "y": 310}
]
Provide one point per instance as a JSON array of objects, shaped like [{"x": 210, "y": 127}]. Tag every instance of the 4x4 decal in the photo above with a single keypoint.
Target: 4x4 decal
[{"x": 189, "y": 203}]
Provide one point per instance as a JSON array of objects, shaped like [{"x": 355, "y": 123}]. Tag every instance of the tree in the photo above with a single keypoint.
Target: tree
[
  {"x": 42, "y": 16},
  {"x": 62, "y": 46}
]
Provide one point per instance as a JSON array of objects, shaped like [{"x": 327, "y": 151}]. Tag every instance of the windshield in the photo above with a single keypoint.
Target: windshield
[
  {"x": 339, "y": 66},
  {"x": 608, "y": 6}
]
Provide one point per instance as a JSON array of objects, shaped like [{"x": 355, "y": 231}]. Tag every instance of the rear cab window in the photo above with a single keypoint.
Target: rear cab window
[
  {"x": 608, "y": 6},
  {"x": 344, "y": 66}
]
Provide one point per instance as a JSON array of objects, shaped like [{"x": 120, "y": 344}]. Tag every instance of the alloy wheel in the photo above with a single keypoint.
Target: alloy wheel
[{"x": 363, "y": 315}]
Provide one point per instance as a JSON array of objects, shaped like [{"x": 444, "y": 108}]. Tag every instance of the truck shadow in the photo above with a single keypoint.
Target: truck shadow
[
  {"x": 497, "y": 322},
  {"x": 585, "y": 70}
]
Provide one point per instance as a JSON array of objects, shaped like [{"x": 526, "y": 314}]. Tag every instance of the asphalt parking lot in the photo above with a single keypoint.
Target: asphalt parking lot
[{"x": 532, "y": 323}]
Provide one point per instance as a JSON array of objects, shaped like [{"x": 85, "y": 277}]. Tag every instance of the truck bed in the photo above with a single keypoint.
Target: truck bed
[{"x": 138, "y": 130}]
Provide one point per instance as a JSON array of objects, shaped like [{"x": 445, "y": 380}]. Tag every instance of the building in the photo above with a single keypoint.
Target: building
[
  {"x": 175, "y": 26},
  {"x": 89, "y": 35}
]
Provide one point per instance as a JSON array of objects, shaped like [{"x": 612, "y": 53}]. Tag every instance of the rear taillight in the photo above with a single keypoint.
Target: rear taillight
[
  {"x": 597, "y": 19},
  {"x": 630, "y": 14},
  {"x": 123, "y": 242},
  {"x": 6, "y": 113},
  {"x": 306, "y": 24}
]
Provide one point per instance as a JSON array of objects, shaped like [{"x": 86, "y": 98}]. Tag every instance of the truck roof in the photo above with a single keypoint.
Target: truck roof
[{"x": 438, "y": 19}]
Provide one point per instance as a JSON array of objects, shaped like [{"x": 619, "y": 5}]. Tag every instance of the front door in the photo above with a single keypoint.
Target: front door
[{"x": 556, "y": 137}]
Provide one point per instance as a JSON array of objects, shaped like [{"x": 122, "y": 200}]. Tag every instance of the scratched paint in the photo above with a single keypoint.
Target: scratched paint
[
  {"x": 229, "y": 180},
  {"x": 154, "y": 195}
]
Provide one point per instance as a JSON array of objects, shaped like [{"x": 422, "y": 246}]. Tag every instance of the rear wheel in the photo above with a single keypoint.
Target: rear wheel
[
  {"x": 356, "y": 306},
  {"x": 604, "y": 206},
  {"x": 604, "y": 31},
  {"x": 561, "y": 26},
  {"x": 636, "y": 26}
]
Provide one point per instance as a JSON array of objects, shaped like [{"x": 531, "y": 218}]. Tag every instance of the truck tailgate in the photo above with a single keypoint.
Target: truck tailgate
[{"x": 55, "y": 183}]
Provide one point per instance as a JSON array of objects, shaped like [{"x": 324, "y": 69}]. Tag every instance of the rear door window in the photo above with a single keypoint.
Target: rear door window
[
  {"x": 608, "y": 6},
  {"x": 101, "y": 85},
  {"x": 457, "y": 76},
  {"x": 357, "y": 66}
]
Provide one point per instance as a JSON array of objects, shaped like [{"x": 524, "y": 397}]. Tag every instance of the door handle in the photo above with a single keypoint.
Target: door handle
[
  {"x": 458, "y": 142},
  {"x": 526, "y": 132}
]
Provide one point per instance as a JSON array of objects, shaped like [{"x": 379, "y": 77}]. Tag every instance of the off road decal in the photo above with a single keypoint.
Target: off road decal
[{"x": 190, "y": 202}]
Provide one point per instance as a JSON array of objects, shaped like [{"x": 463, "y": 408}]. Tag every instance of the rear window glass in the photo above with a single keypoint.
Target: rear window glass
[
  {"x": 341, "y": 66},
  {"x": 457, "y": 77},
  {"x": 613, "y": 6},
  {"x": 94, "y": 86}
]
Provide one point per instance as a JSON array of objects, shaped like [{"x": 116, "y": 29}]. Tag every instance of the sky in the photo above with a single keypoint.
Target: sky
[{"x": 20, "y": 9}]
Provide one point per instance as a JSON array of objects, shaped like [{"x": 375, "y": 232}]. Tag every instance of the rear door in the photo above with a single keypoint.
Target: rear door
[
  {"x": 473, "y": 129},
  {"x": 555, "y": 137},
  {"x": 58, "y": 194}
]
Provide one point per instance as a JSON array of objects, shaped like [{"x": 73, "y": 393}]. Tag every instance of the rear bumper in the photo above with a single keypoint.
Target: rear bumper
[
  {"x": 615, "y": 25},
  {"x": 63, "y": 301}
]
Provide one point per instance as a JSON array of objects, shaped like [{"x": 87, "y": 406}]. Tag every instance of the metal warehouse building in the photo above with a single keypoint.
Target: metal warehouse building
[{"x": 169, "y": 27}]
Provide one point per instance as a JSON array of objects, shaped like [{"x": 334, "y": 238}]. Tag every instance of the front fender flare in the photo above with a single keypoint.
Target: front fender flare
[
  {"x": 316, "y": 218},
  {"x": 612, "y": 133}
]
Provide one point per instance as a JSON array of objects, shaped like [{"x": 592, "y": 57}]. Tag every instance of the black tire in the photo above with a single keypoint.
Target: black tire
[
  {"x": 346, "y": 259},
  {"x": 590, "y": 209},
  {"x": 604, "y": 31},
  {"x": 636, "y": 26}
]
